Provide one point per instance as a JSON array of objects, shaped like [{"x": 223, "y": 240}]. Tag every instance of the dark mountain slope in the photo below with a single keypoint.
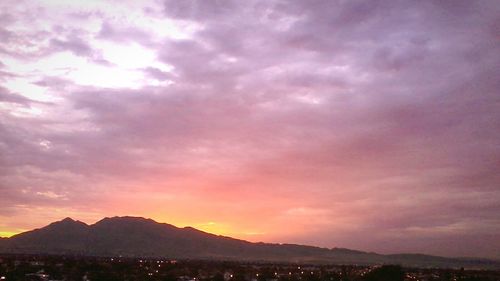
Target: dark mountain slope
[
  {"x": 66, "y": 236},
  {"x": 139, "y": 237}
]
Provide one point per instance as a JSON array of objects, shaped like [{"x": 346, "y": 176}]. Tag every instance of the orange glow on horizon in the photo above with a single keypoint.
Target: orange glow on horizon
[
  {"x": 7, "y": 234},
  {"x": 211, "y": 227}
]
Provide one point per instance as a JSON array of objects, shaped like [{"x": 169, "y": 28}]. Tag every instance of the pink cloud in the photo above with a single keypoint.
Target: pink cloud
[{"x": 308, "y": 122}]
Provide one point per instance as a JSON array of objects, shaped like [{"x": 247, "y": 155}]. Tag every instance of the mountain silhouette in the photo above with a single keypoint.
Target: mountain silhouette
[{"x": 140, "y": 237}]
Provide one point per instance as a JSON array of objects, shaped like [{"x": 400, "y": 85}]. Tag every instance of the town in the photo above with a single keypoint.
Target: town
[{"x": 69, "y": 268}]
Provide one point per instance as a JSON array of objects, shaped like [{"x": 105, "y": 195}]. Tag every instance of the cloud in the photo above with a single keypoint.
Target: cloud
[
  {"x": 7, "y": 97},
  {"x": 74, "y": 45},
  {"x": 316, "y": 122},
  {"x": 124, "y": 35},
  {"x": 157, "y": 74}
]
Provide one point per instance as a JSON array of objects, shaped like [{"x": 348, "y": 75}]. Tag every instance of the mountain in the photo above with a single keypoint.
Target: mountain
[{"x": 140, "y": 237}]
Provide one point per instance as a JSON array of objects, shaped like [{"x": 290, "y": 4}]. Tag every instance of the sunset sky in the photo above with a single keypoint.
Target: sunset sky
[{"x": 371, "y": 125}]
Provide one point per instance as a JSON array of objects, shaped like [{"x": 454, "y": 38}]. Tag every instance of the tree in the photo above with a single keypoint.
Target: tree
[{"x": 385, "y": 273}]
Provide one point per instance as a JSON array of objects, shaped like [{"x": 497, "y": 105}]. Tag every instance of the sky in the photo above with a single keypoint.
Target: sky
[{"x": 370, "y": 125}]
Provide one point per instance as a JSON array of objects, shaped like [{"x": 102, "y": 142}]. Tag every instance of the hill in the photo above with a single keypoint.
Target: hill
[{"x": 140, "y": 237}]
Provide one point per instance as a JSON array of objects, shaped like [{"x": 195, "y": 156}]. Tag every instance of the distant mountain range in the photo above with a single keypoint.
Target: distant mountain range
[{"x": 140, "y": 237}]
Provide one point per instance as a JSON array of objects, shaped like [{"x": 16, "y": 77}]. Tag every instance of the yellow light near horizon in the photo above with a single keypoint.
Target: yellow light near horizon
[
  {"x": 7, "y": 234},
  {"x": 214, "y": 228}
]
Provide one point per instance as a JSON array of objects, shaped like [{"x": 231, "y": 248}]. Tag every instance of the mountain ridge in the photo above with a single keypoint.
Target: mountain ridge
[{"x": 144, "y": 237}]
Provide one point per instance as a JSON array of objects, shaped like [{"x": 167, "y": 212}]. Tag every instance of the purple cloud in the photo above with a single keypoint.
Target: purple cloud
[
  {"x": 343, "y": 118},
  {"x": 124, "y": 35},
  {"x": 75, "y": 45}
]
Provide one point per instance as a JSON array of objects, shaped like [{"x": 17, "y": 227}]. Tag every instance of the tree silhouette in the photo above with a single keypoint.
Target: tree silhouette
[{"x": 386, "y": 273}]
